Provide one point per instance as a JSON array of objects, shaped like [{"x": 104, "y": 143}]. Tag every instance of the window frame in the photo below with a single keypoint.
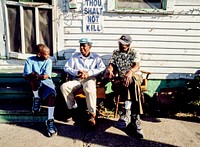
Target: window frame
[
  {"x": 117, "y": 5},
  {"x": 36, "y": 6},
  {"x": 168, "y": 8}
]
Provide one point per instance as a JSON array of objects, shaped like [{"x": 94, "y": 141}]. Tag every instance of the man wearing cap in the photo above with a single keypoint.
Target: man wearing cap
[
  {"x": 124, "y": 66},
  {"x": 83, "y": 67}
]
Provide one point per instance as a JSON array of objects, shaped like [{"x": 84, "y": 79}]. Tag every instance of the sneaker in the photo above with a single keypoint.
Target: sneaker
[
  {"x": 125, "y": 119},
  {"x": 51, "y": 128},
  {"x": 36, "y": 105},
  {"x": 135, "y": 122}
]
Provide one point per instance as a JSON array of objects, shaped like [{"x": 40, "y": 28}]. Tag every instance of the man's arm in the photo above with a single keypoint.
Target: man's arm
[
  {"x": 109, "y": 71},
  {"x": 135, "y": 67},
  {"x": 35, "y": 76},
  {"x": 69, "y": 67},
  {"x": 99, "y": 67},
  {"x": 48, "y": 71},
  {"x": 28, "y": 72},
  {"x": 130, "y": 72}
]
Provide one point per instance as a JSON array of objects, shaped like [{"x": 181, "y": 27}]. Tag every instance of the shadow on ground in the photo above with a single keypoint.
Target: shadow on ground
[
  {"x": 105, "y": 133},
  {"x": 174, "y": 107},
  {"x": 99, "y": 136}
]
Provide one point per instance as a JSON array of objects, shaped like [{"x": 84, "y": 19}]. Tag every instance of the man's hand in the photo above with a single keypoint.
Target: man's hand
[
  {"x": 128, "y": 78},
  {"x": 33, "y": 76},
  {"x": 83, "y": 74},
  {"x": 109, "y": 74}
]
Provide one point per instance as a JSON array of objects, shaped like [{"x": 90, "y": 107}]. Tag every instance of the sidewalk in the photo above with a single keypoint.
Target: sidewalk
[{"x": 166, "y": 132}]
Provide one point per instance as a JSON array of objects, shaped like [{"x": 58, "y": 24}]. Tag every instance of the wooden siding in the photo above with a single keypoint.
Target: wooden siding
[
  {"x": 169, "y": 44},
  {"x": 186, "y": 5}
]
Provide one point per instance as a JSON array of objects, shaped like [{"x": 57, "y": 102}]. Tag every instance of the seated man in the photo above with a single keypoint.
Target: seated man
[
  {"x": 84, "y": 67},
  {"x": 125, "y": 64},
  {"x": 37, "y": 70}
]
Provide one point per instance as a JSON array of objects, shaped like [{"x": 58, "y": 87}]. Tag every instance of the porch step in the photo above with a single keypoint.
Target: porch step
[
  {"x": 9, "y": 92},
  {"x": 10, "y": 116},
  {"x": 16, "y": 97},
  {"x": 13, "y": 85},
  {"x": 19, "y": 111}
]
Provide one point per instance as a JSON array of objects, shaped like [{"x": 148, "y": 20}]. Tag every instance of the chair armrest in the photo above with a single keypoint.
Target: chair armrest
[
  {"x": 146, "y": 74},
  {"x": 144, "y": 82}
]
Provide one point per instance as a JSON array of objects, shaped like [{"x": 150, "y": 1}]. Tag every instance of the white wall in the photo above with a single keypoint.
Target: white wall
[
  {"x": 186, "y": 5},
  {"x": 169, "y": 43}
]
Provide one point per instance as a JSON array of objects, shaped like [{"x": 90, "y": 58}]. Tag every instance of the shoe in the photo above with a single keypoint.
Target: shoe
[
  {"x": 125, "y": 119},
  {"x": 135, "y": 122},
  {"x": 51, "y": 128},
  {"x": 72, "y": 114},
  {"x": 68, "y": 116},
  {"x": 92, "y": 121},
  {"x": 36, "y": 105}
]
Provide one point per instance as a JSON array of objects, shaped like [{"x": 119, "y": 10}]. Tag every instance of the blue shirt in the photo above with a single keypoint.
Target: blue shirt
[
  {"x": 93, "y": 64},
  {"x": 33, "y": 64}
]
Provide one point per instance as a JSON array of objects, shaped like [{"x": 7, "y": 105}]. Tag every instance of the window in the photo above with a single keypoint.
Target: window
[
  {"x": 28, "y": 22},
  {"x": 140, "y": 4}
]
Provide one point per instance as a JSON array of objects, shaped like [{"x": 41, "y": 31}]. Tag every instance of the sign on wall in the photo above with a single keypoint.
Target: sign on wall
[{"x": 92, "y": 16}]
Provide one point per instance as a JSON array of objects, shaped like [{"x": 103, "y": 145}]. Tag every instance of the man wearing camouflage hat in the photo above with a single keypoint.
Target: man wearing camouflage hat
[{"x": 124, "y": 66}]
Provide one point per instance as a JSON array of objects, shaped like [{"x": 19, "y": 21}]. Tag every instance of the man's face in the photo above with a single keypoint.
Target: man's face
[
  {"x": 44, "y": 54},
  {"x": 123, "y": 47},
  {"x": 85, "y": 49}
]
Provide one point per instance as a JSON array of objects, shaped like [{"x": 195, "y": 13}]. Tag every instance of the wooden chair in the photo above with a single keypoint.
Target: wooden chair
[
  {"x": 79, "y": 94},
  {"x": 143, "y": 89},
  {"x": 100, "y": 92}
]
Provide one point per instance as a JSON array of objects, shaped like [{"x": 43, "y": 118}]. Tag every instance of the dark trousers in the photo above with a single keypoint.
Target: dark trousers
[{"x": 132, "y": 92}]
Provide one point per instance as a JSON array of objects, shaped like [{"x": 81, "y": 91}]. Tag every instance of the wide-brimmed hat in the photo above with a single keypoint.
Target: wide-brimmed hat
[{"x": 125, "y": 39}]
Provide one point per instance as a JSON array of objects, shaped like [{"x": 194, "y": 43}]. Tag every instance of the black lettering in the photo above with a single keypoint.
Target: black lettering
[
  {"x": 85, "y": 11},
  {"x": 86, "y": 1},
  {"x": 88, "y": 28}
]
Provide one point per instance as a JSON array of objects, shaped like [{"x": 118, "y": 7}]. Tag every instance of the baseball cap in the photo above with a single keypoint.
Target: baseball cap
[
  {"x": 85, "y": 40},
  {"x": 125, "y": 39}
]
